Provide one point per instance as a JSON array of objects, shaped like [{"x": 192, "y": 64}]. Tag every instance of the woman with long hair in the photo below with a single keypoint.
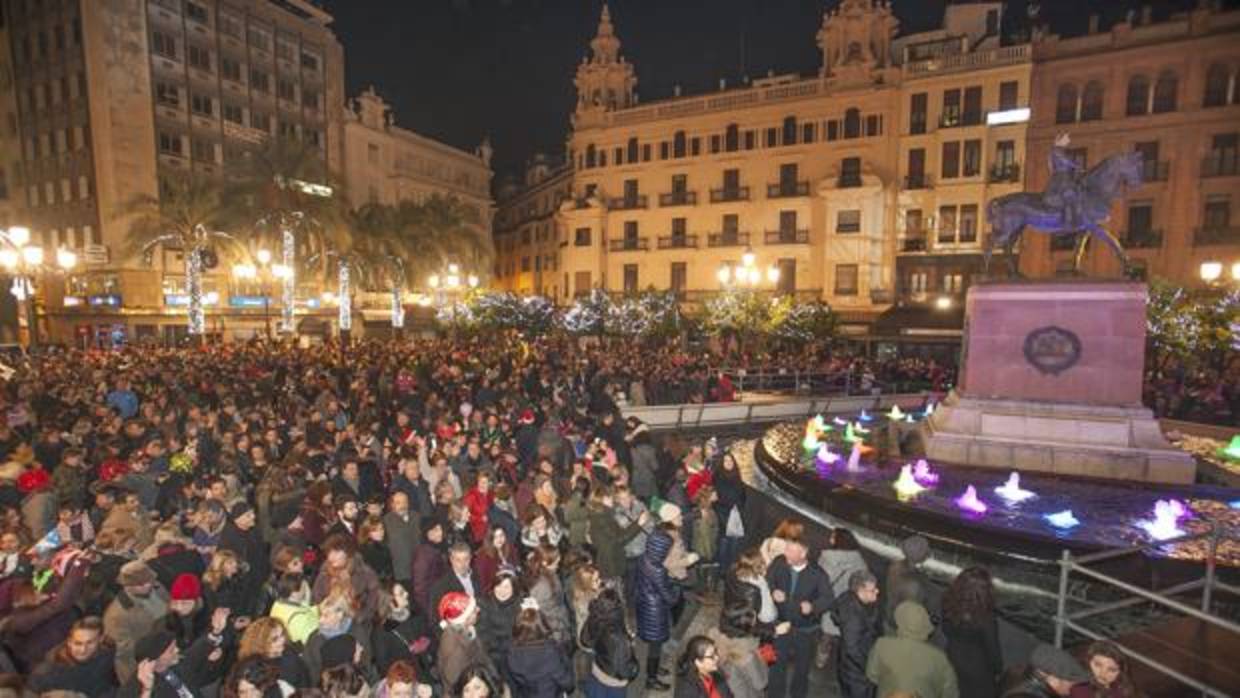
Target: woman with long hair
[
  {"x": 398, "y": 632},
  {"x": 542, "y": 580},
  {"x": 267, "y": 639},
  {"x": 372, "y": 544},
  {"x": 746, "y": 583},
  {"x": 740, "y": 656},
  {"x": 610, "y": 647},
  {"x": 973, "y": 633},
  {"x": 788, "y": 529},
  {"x": 730, "y": 509},
  {"x": 539, "y": 527},
  {"x": 222, "y": 585},
  {"x": 316, "y": 515},
  {"x": 697, "y": 672},
  {"x": 254, "y": 678},
  {"x": 499, "y": 613},
  {"x": 1109, "y": 675},
  {"x": 537, "y": 663},
  {"x": 496, "y": 552},
  {"x": 477, "y": 681},
  {"x": 584, "y": 588}
]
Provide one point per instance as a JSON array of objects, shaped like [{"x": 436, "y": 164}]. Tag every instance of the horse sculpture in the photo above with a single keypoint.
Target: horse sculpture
[{"x": 1011, "y": 213}]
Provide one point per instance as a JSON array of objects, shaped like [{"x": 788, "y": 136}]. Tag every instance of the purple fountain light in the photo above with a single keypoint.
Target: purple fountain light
[
  {"x": 923, "y": 474},
  {"x": 969, "y": 501}
]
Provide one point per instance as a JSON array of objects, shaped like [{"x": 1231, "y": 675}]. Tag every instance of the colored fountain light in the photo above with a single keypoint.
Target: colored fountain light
[
  {"x": 906, "y": 485},
  {"x": 840, "y": 421},
  {"x": 969, "y": 501},
  {"x": 860, "y": 429},
  {"x": 929, "y": 408},
  {"x": 895, "y": 414},
  {"x": 923, "y": 474},
  {"x": 910, "y": 419},
  {"x": 865, "y": 416},
  {"x": 1062, "y": 519},
  {"x": 1165, "y": 523},
  {"x": 826, "y": 456},
  {"x": 1232, "y": 450},
  {"x": 850, "y": 434},
  {"x": 1234, "y": 504},
  {"x": 1011, "y": 491},
  {"x": 854, "y": 458}
]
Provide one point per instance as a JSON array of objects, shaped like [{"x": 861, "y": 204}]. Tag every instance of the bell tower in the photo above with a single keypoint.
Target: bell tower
[{"x": 605, "y": 82}]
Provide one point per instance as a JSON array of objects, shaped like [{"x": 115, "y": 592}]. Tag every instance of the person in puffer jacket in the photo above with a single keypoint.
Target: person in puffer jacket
[
  {"x": 604, "y": 634},
  {"x": 656, "y": 593}
]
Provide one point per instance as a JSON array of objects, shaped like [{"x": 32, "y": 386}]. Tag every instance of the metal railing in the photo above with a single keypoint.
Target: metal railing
[
  {"x": 628, "y": 244},
  {"x": 678, "y": 198},
  {"x": 725, "y": 414},
  {"x": 784, "y": 190},
  {"x": 626, "y": 203},
  {"x": 674, "y": 241},
  {"x": 799, "y": 236},
  {"x": 1212, "y": 235},
  {"x": 1208, "y": 584},
  {"x": 729, "y": 194},
  {"x": 734, "y": 238}
]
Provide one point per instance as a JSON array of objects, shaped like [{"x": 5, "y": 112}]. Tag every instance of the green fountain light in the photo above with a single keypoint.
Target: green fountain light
[{"x": 1232, "y": 450}]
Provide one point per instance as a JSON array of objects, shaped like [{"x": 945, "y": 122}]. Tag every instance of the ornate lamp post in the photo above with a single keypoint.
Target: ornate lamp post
[
  {"x": 266, "y": 271},
  {"x": 24, "y": 261},
  {"x": 449, "y": 284},
  {"x": 1212, "y": 272},
  {"x": 746, "y": 274}
]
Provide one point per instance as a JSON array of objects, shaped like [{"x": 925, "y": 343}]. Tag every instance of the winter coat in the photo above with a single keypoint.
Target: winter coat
[
  {"x": 30, "y": 633},
  {"x": 495, "y": 622},
  {"x": 457, "y": 651},
  {"x": 39, "y": 513},
  {"x": 429, "y": 565},
  {"x": 540, "y": 670},
  {"x": 739, "y": 661},
  {"x": 94, "y": 678},
  {"x": 312, "y": 653},
  {"x": 300, "y": 621},
  {"x": 127, "y": 620},
  {"x": 858, "y": 629},
  {"x": 706, "y": 534},
  {"x": 908, "y": 662},
  {"x": 577, "y": 518},
  {"x": 811, "y": 586},
  {"x": 1028, "y": 685},
  {"x": 974, "y": 653},
  {"x": 613, "y": 654},
  {"x": 691, "y": 686},
  {"x": 194, "y": 670},
  {"x": 907, "y": 583},
  {"x": 549, "y": 593},
  {"x": 391, "y": 641},
  {"x": 655, "y": 592},
  {"x": 838, "y": 566},
  {"x": 364, "y": 583},
  {"x": 731, "y": 491},
  {"x": 377, "y": 557},
  {"x": 609, "y": 540},
  {"x": 645, "y": 464},
  {"x": 402, "y": 537}
]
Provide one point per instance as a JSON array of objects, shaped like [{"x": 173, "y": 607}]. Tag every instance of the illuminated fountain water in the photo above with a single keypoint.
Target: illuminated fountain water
[
  {"x": 1011, "y": 491},
  {"x": 1062, "y": 520},
  {"x": 1232, "y": 450},
  {"x": 907, "y": 486},
  {"x": 850, "y": 434},
  {"x": 827, "y": 457},
  {"x": 929, "y": 408},
  {"x": 854, "y": 458},
  {"x": 839, "y": 421},
  {"x": 923, "y": 474},
  {"x": 1165, "y": 524},
  {"x": 860, "y": 429},
  {"x": 895, "y": 414},
  {"x": 865, "y": 416},
  {"x": 969, "y": 501}
]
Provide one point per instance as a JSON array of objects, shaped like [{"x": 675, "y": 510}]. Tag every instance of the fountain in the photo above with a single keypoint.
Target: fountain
[
  {"x": 826, "y": 456},
  {"x": 907, "y": 486},
  {"x": 857, "y": 427},
  {"x": 1232, "y": 450},
  {"x": 1234, "y": 504},
  {"x": 1062, "y": 520},
  {"x": 969, "y": 501},
  {"x": 923, "y": 474},
  {"x": 850, "y": 434},
  {"x": 1011, "y": 491},
  {"x": 1165, "y": 524},
  {"x": 839, "y": 421},
  {"x": 865, "y": 416},
  {"x": 854, "y": 458},
  {"x": 929, "y": 408},
  {"x": 895, "y": 414}
]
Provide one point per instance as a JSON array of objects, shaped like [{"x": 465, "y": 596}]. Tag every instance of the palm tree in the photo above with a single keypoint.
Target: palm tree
[
  {"x": 186, "y": 215},
  {"x": 286, "y": 195},
  {"x": 443, "y": 229}
]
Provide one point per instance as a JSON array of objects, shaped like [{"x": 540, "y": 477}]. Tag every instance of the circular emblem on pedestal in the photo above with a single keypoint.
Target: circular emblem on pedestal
[{"x": 1052, "y": 349}]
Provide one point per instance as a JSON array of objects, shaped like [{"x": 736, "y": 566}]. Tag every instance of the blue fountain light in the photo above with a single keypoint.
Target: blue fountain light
[
  {"x": 1235, "y": 504},
  {"x": 865, "y": 416},
  {"x": 1062, "y": 519}
]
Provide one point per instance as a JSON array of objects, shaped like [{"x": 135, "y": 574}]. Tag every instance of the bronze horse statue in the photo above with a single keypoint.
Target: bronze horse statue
[{"x": 1011, "y": 213}]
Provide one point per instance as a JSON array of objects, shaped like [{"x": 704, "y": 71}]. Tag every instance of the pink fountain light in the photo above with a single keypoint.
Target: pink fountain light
[
  {"x": 969, "y": 501},
  {"x": 923, "y": 474},
  {"x": 854, "y": 458},
  {"x": 826, "y": 456},
  {"x": 1165, "y": 524}
]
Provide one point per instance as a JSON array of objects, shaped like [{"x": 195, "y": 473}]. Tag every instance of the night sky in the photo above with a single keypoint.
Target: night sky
[{"x": 458, "y": 70}]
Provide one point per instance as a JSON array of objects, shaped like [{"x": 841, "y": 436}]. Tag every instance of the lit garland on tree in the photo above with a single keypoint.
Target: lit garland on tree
[
  {"x": 589, "y": 315},
  {"x": 799, "y": 323}
]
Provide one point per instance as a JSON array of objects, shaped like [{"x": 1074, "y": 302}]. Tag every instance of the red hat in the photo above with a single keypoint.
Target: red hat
[
  {"x": 455, "y": 608},
  {"x": 33, "y": 481},
  {"x": 186, "y": 587},
  {"x": 527, "y": 416}
]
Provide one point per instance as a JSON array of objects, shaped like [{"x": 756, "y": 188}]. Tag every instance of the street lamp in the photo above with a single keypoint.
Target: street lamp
[
  {"x": 450, "y": 283},
  {"x": 1212, "y": 272},
  {"x": 747, "y": 274},
  {"x": 266, "y": 271},
  {"x": 23, "y": 261}
]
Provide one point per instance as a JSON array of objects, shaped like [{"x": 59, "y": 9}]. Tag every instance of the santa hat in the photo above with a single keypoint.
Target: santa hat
[
  {"x": 455, "y": 608},
  {"x": 185, "y": 587},
  {"x": 527, "y": 416},
  {"x": 34, "y": 480}
]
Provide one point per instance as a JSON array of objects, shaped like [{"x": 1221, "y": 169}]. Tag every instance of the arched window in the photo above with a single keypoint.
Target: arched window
[
  {"x": 678, "y": 144},
  {"x": 591, "y": 155},
  {"x": 1091, "y": 101},
  {"x": 631, "y": 156},
  {"x": 1218, "y": 81},
  {"x": 732, "y": 138},
  {"x": 852, "y": 123},
  {"x": 790, "y": 130},
  {"x": 1138, "y": 96},
  {"x": 1065, "y": 104},
  {"x": 1164, "y": 92}
]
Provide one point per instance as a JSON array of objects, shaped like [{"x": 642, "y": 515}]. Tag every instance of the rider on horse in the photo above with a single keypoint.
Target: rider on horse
[{"x": 1063, "y": 192}]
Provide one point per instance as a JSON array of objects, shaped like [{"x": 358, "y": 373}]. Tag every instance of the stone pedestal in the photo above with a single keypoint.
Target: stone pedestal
[{"x": 1050, "y": 381}]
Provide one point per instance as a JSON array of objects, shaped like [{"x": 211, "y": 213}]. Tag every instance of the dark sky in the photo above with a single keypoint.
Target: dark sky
[{"x": 458, "y": 70}]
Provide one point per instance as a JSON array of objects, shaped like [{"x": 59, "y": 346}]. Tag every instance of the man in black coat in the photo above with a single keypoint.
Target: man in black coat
[
  {"x": 856, "y": 613},
  {"x": 458, "y": 577},
  {"x": 802, "y": 594},
  {"x": 241, "y": 536}
]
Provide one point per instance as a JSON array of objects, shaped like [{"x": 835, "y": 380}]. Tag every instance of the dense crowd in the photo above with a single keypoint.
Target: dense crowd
[
  {"x": 1204, "y": 395},
  {"x": 471, "y": 518}
]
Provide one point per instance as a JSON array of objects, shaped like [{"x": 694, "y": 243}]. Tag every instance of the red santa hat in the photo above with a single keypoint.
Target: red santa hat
[
  {"x": 527, "y": 416},
  {"x": 34, "y": 480},
  {"x": 455, "y": 608},
  {"x": 185, "y": 587}
]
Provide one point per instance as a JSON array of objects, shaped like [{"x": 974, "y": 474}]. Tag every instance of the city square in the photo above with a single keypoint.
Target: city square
[{"x": 546, "y": 348}]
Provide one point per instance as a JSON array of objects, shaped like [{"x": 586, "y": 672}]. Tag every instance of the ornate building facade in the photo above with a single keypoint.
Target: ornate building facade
[
  {"x": 1168, "y": 89},
  {"x": 527, "y": 243}
]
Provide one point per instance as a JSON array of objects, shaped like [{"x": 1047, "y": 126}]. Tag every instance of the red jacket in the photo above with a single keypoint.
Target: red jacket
[{"x": 478, "y": 503}]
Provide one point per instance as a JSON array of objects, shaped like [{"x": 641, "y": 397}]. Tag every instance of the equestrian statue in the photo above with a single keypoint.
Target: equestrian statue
[{"x": 1075, "y": 201}]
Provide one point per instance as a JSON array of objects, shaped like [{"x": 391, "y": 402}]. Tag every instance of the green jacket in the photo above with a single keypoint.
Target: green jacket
[
  {"x": 577, "y": 519},
  {"x": 609, "y": 540},
  {"x": 907, "y": 662}
]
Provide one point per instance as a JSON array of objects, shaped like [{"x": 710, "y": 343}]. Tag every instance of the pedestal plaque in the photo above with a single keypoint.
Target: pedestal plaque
[{"x": 1050, "y": 381}]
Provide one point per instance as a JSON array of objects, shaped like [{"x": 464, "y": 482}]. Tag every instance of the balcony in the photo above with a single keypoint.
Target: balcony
[
  {"x": 678, "y": 242},
  {"x": 1142, "y": 239},
  {"x": 1221, "y": 163},
  {"x": 920, "y": 180},
  {"x": 1228, "y": 235},
  {"x": 627, "y": 203},
  {"x": 787, "y": 237},
  {"x": 918, "y": 243},
  {"x": 678, "y": 198},
  {"x": 1155, "y": 171},
  {"x": 729, "y": 194},
  {"x": 880, "y": 296},
  {"x": 731, "y": 238},
  {"x": 787, "y": 190},
  {"x": 1009, "y": 172},
  {"x": 628, "y": 244},
  {"x": 952, "y": 118}
]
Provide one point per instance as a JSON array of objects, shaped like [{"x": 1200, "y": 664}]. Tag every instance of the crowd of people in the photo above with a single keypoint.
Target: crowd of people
[{"x": 452, "y": 518}]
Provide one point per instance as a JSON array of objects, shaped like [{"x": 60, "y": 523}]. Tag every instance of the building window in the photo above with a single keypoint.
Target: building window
[
  {"x": 680, "y": 277},
  {"x": 167, "y": 95},
  {"x": 647, "y": 152},
  {"x": 203, "y": 150},
  {"x": 873, "y": 125},
  {"x": 751, "y": 141},
  {"x": 852, "y": 123},
  {"x": 953, "y": 283},
  {"x": 968, "y": 223},
  {"x": 972, "y": 158},
  {"x": 230, "y": 26},
  {"x": 163, "y": 45},
  {"x": 848, "y": 221},
  {"x": 790, "y": 130},
  {"x": 951, "y": 160},
  {"x": 286, "y": 90},
  {"x": 917, "y": 113},
  {"x": 1091, "y": 101},
  {"x": 1165, "y": 92},
  {"x": 202, "y": 105},
  {"x": 913, "y": 223},
  {"x": 633, "y": 151},
  {"x": 197, "y": 12},
  {"x": 309, "y": 61},
  {"x": 310, "y": 100},
  {"x": 259, "y": 81},
  {"x": 850, "y": 172},
  {"x": 232, "y": 112},
  {"x": 951, "y": 108},
  {"x": 581, "y": 237},
  {"x": 1065, "y": 104},
  {"x": 1140, "y": 218},
  {"x": 1009, "y": 95},
  {"x": 1138, "y": 96},
  {"x": 260, "y": 39},
  {"x": 1217, "y": 212},
  {"x": 678, "y": 144},
  {"x": 630, "y": 278},
  {"x": 84, "y": 187},
  {"x": 772, "y": 137},
  {"x": 947, "y": 225},
  {"x": 731, "y": 138},
  {"x": 972, "y": 106},
  {"x": 169, "y": 143},
  {"x": 230, "y": 69},
  {"x": 260, "y": 121},
  {"x": 1218, "y": 86},
  {"x": 846, "y": 279},
  {"x": 199, "y": 57}
]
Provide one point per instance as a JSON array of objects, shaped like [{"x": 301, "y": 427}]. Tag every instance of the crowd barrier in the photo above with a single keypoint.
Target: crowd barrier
[{"x": 720, "y": 414}]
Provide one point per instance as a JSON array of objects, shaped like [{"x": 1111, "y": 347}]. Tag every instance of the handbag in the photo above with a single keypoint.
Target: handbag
[{"x": 735, "y": 527}]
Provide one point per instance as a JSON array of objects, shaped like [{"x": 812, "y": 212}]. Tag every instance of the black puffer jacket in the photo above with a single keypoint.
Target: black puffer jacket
[
  {"x": 613, "y": 654},
  {"x": 495, "y": 623},
  {"x": 859, "y": 625}
]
